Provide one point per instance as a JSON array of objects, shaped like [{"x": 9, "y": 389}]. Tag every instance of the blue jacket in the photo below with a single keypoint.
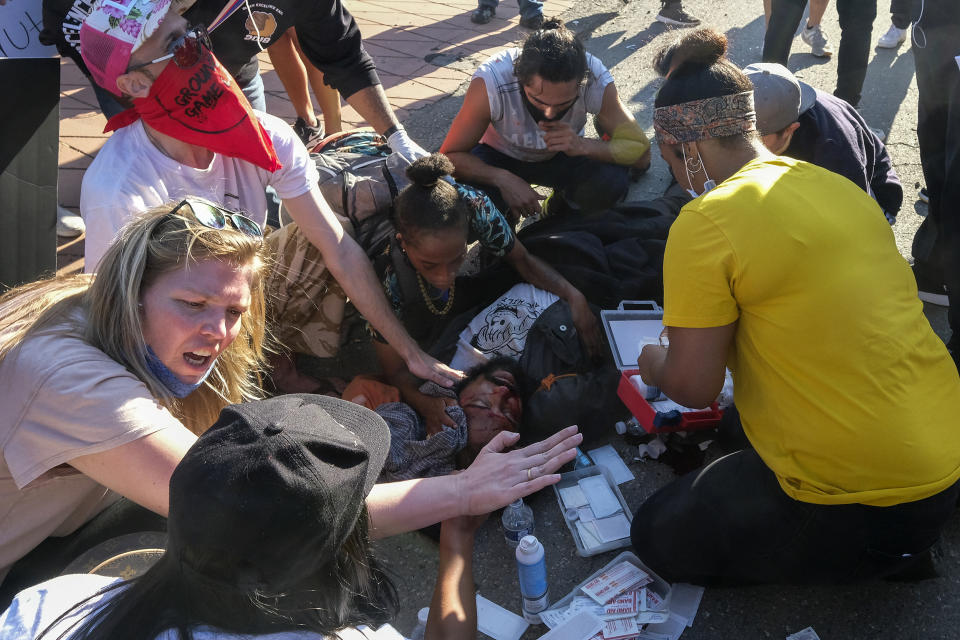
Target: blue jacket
[{"x": 833, "y": 135}]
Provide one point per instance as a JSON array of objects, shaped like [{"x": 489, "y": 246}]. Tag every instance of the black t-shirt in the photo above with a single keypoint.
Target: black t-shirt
[{"x": 328, "y": 35}]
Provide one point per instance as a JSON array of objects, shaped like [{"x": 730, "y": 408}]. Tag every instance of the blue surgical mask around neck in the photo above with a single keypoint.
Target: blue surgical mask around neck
[{"x": 174, "y": 385}]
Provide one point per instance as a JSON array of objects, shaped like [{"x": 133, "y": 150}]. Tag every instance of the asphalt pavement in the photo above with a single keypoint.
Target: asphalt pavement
[{"x": 625, "y": 37}]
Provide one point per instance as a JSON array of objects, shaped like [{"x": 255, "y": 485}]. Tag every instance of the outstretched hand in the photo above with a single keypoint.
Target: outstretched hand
[
  {"x": 495, "y": 479},
  {"x": 428, "y": 368}
]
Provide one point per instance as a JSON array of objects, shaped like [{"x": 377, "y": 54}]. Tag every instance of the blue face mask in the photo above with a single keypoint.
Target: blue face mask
[{"x": 174, "y": 385}]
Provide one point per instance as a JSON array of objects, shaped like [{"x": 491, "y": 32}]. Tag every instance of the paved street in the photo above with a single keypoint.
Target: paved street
[
  {"x": 426, "y": 52},
  {"x": 625, "y": 37}
]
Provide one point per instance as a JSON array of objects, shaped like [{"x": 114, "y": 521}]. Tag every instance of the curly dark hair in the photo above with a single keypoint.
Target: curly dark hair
[{"x": 554, "y": 53}]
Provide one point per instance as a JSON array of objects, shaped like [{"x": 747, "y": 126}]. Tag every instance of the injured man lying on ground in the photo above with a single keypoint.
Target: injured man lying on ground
[
  {"x": 523, "y": 374},
  {"x": 486, "y": 402}
]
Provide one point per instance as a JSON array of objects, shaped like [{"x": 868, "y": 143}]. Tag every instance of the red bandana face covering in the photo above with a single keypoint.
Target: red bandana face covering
[{"x": 203, "y": 105}]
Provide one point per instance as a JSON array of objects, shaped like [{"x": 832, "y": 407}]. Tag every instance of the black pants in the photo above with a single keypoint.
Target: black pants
[
  {"x": 730, "y": 522},
  {"x": 53, "y": 555},
  {"x": 856, "y": 28},
  {"x": 936, "y": 245},
  {"x": 900, "y": 11},
  {"x": 587, "y": 184}
]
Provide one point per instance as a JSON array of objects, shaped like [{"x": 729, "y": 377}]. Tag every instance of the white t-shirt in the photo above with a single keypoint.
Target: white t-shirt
[
  {"x": 501, "y": 329},
  {"x": 61, "y": 398},
  {"x": 512, "y": 129},
  {"x": 130, "y": 175},
  {"x": 34, "y": 609}
]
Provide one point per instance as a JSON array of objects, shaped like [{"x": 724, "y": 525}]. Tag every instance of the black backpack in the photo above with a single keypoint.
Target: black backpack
[{"x": 359, "y": 178}]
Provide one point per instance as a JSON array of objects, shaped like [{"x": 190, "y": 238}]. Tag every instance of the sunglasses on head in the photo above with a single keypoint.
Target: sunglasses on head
[
  {"x": 185, "y": 50},
  {"x": 215, "y": 217}
]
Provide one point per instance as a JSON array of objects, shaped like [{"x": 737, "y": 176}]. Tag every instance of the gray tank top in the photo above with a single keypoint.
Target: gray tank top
[{"x": 512, "y": 129}]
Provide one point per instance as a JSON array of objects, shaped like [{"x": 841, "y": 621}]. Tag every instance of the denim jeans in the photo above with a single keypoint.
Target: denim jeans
[
  {"x": 936, "y": 40},
  {"x": 586, "y": 184},
  {"x": 856, "y": 28},
  {"x": 731, "y": 523},
  {"x": 254, "y": 92},
  {"x": 528, "y": 8}
]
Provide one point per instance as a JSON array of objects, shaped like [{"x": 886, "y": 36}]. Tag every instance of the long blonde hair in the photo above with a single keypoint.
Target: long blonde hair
[{"x": 153, "y": 243}]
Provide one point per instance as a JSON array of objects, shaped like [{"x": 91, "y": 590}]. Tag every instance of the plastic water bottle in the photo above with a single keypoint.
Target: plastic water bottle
[
  {"x": 582, "y": 461},
  {"x": 421, "y": 628},
  {"x": 532, "y": 570},
  {"x": 517, "y": 522}
]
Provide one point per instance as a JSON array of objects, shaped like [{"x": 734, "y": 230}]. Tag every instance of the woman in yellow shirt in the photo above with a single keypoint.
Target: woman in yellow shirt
[{"x": 789, "y": 275}]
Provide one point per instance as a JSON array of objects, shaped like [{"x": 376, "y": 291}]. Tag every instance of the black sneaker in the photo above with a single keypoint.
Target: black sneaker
[
  {"x": 533, "y": 22},
  {"x": 930, "y": 289},
  {"x": 672, "y": 13},
  {"x": 482, "y": 15},
  {"x": 310, "y": 136},
  {"x": 924, "y": 196}
]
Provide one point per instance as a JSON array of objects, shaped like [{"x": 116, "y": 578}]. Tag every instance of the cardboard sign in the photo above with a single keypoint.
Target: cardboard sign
[{"x": 20, "y": 25}]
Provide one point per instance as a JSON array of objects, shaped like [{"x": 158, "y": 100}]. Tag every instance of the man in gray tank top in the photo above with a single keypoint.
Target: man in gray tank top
[{"x": 522, "y": 122}]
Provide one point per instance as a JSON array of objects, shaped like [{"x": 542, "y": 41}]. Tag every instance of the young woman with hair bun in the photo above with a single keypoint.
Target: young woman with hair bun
[
  {"x": 435, "y": 220},
  {"x": 844, "y": 391}
]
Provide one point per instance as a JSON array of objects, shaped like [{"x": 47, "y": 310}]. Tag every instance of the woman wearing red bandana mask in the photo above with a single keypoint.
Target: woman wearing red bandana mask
[{"x": 192, "y": 132}]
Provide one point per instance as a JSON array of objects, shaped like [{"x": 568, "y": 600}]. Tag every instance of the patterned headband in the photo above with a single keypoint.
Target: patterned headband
[{"x": 696, "y": 120}]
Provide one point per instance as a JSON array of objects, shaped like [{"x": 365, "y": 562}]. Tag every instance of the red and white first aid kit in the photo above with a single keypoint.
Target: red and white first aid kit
[{"x": 632, "y": 324}]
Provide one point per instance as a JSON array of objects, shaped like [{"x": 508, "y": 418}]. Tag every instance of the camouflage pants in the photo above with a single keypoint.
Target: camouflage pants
[{"x": 304, "y": 302}]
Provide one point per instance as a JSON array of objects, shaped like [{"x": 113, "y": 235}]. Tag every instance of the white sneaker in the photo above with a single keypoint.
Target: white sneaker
[
  {"x": 893, "y": 38},
  {"x": 69, "y": 224},
  {"x": 817, "y": 39}
]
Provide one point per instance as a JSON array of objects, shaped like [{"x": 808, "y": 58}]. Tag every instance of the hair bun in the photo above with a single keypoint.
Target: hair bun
[
  {"x": 552, "y": 23},
  {"x": 703, "y": 47},
  {"x": 426, "y": 171}
]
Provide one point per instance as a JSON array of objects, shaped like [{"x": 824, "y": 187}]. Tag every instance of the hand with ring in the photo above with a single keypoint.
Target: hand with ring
[{"x": 496, "y": 478}]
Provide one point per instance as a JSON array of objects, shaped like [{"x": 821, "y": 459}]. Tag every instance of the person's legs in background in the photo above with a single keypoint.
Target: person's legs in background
[
  {"x": 813, "y": 34},
  {"x": 484, "y": 12},
  {"x": 900, "y": 23},
  {"x": 293, "y": 74},
  {"x": 856, "y": 28},
  {"x": 254, "y": 93},
  {"x": 785, "y": 16},
  {"x": 936, "y": 245},
  {"x": 672, "y": 13},
  {"x": 327, "y": 97},
  {"x": 531, "y": 13}
]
